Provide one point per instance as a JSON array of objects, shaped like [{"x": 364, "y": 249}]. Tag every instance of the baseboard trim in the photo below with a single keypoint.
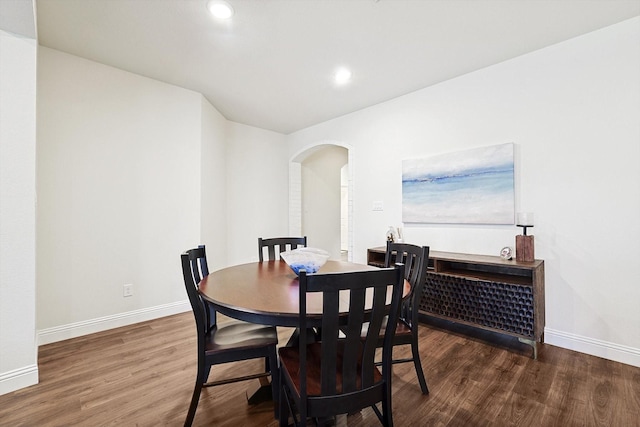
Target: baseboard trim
[
  {"x": 594, "y": 347},
  {"x": 18, "y": 378},
  {"x": 74, "y": 330}
]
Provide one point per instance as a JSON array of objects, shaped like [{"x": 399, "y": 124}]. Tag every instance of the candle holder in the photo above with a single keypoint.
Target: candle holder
[
  {"x": 524, "y": 243},
  {"x": 524, "y": 228}
]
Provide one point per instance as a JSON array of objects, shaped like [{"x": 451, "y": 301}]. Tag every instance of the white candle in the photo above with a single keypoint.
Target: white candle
[{"x": 525, "y": 218}]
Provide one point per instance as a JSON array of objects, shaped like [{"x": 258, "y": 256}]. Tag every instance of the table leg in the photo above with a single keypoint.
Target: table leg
[
  {"x": 259, "y": 391},
  {"x": 313, "y": 335}
]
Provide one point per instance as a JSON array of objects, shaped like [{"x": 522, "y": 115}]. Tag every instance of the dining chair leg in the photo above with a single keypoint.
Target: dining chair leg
[
  {"x": 283, "y": 412},
  {"x": 418, "y": 366},
  {"x": 275, "y": 381},
  {"x": 194, "y": 403},
  {"x": 387, "y": 417},
  {"x": 205, "y": 377}
]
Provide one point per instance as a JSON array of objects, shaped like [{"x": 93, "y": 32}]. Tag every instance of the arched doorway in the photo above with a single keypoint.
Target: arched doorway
[{"x": 316, "y": 197}]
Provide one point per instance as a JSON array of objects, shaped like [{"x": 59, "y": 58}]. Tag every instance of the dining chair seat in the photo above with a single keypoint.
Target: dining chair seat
[
  {"x": 238, "y": 336},
  {"x": 289, "y": 359},
  {"x": 402, "y": 330}
]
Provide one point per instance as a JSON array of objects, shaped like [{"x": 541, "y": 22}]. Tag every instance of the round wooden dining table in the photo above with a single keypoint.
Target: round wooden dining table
[{"x": 267, "y": 292}]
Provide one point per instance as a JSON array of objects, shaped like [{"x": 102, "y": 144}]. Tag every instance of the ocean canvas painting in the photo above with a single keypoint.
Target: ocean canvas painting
[{"x": 466, "y": 187}]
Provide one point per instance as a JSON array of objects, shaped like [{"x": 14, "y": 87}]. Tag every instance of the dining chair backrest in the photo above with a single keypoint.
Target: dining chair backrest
[
  {"x": 274, "y": 246},
  {"x": 349, "y": 377},
  {"x": 416, "y": 261},
  {"x": 194, "y": 269},
  {"x": 198, "y": 260}
]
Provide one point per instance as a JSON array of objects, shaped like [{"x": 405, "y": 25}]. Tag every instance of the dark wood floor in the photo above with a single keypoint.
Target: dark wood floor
[{"x": 142, "y": 375}]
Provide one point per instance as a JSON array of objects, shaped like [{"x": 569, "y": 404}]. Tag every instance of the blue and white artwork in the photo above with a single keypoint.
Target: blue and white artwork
[{"x": 466, "y": 187}]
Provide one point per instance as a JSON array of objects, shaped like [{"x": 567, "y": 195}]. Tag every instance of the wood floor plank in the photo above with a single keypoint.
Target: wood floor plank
[{"x": 143, "y": 375}]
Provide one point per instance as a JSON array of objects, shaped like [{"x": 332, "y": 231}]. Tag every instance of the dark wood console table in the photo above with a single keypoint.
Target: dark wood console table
[{"x": 483, "y": 291}]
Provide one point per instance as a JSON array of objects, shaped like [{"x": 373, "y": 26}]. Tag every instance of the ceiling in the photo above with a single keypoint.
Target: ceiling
[
  {"x": 271, "y": 65},
  {"x": 16, "y": 16}
]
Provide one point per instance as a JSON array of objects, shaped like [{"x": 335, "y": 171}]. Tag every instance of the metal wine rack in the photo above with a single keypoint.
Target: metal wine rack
[{"x": 496, "y": 305}]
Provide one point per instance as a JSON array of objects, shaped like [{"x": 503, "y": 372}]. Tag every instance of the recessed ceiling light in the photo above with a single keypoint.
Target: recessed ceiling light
[
  {"x": 342, "y": 76},
  {"x": 220, "y": 9}
]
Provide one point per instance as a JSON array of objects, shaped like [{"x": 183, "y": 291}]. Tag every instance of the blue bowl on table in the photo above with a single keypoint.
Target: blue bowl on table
[{"x": 308, "y": 259}]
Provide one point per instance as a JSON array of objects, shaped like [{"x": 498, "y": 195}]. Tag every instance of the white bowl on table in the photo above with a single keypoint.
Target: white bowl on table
[{"x": 308, "y": 259}]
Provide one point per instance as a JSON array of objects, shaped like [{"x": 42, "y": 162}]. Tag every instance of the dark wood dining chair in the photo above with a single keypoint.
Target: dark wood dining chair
[
  {"x": 338, "y": 374},
  {"x": 226, "y": 342},
  {"x": 276, "y": 245},
  {"x": 416, "y": 261}
]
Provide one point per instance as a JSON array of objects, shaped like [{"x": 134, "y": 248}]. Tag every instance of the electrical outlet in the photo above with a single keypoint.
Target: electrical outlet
[
  {"x": 127, "y": 290},
  {"x": 378, "y": 205}
]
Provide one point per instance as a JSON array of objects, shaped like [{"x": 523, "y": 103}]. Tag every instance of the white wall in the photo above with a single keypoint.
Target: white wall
[
  {"x": 213, "y": 192},
  {"x": 257, "y": 194},
  {"x": 321, "y": 198},
  {"x": 18, "y": 349},
  {"x": 119, "y": 186},
  {"x": 131, "y": 172},
  {"x": 573, "y": 112}
]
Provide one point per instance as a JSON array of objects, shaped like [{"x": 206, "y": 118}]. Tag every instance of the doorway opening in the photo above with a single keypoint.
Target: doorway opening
[{"x": 320, "y": 198}]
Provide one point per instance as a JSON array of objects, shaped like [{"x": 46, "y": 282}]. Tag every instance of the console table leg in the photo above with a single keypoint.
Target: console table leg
[{"x": 533, "y": 345}]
